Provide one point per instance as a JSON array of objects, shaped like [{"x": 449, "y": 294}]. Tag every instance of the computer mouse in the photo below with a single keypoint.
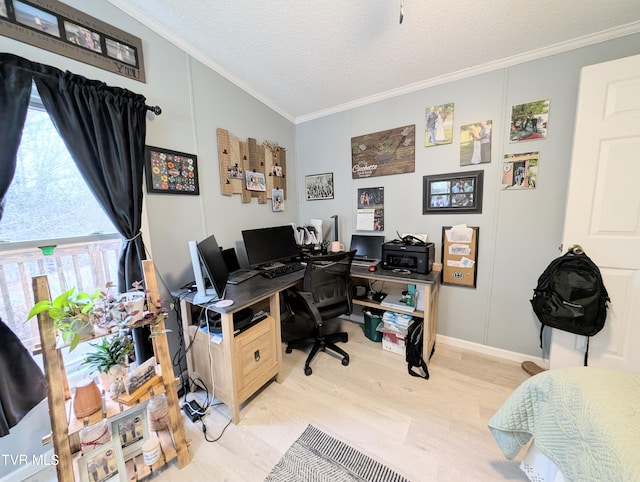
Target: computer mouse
[{"x": 372, "y": 268}]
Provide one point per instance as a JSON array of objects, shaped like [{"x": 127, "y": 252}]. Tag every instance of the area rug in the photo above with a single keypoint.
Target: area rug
[{"x": 316, "y": 457}]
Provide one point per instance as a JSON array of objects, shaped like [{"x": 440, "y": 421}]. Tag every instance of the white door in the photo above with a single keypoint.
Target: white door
[{"x": 603, "y": 210}]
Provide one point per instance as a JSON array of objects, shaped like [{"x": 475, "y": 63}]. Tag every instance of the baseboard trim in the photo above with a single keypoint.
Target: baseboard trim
[{"x": 491, "y": 351}]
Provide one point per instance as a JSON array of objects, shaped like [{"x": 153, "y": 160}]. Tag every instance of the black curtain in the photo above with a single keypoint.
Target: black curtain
[
  {"x": 104, "y": 129},
  {"x": 15, "y": 90}
]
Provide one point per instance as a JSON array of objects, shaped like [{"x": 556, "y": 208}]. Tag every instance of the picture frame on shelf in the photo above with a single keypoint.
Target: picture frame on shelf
[
  {"x": 130, "y": 429},
  {"x": 171, "y": 172},
  {"x": 319, "y": 186},
  {"x": 104, "y": 463},
  {"x": 453, "y": 193}
]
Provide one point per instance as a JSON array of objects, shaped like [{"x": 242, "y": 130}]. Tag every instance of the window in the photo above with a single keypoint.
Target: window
[
  {"x": 48, "y": 203},
  {"x": 48, "y": 199}
]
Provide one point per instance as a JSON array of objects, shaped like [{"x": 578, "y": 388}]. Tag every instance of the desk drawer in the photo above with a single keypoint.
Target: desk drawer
[{"x": 256, "y": 358}]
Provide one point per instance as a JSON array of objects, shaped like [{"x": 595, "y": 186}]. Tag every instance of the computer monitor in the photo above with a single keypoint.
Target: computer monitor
[
  {"x": 207, "y": 262},
  {"x": 369, "y": 247},
  {"x": 266, "y": 246}
]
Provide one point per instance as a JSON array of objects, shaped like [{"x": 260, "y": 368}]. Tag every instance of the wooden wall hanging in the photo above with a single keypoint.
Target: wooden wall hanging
[{"x": 236, "y": 157}]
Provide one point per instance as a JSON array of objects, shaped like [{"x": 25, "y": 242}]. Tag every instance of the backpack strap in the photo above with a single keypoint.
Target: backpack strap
[
  {"x": 424, "y": 368},
  {"x": 586, "y": 352}
]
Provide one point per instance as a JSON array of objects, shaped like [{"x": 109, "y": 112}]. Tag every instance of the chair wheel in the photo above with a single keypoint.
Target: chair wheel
[
  {"x": 289, "y": 349},
  {"x": 344, "y": 339},
  {"x": 307, "y": 371},
  {"x": 345, "y": 361}
]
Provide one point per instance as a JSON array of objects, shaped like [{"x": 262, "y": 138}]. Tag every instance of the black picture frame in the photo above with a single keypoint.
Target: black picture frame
[
  {"x": 171, "y": 172},
  {"x": 453, "y": 193}
]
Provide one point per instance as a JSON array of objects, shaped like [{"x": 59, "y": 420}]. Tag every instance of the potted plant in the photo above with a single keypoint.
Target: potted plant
[
  {"x": 109, "y": 360},
  {"x": 71, "y": 314}
]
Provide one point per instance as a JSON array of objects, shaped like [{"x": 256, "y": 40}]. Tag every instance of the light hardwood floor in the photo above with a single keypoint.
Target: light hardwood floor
[{"x": 427, "y": 430}]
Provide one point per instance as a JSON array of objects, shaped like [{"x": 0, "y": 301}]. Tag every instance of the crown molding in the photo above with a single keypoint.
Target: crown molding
[
  {"x": 610, "y": 34},
  {"x": 558, "y": 48}
]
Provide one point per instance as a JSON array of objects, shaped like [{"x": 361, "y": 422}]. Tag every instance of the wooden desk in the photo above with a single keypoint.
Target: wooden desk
[{"x": 240, "y": 365}]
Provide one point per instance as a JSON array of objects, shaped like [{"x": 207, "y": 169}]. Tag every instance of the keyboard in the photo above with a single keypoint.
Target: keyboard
[
  {"x": 282, "y": 270},
  {"x": 365, "y": 263}
]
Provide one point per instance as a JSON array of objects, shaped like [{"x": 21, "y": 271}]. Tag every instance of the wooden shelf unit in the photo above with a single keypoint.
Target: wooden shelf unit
[
  {"x": 427, "y": 287},
  {"x": 65, "y": 428}
]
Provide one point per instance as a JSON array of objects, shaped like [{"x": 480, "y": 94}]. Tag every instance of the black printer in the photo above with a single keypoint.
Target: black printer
[{"x": 416, "y": 257}]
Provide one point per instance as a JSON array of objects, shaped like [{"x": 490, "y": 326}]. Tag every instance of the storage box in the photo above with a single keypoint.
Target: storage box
[{"x": 393, "y": 343}]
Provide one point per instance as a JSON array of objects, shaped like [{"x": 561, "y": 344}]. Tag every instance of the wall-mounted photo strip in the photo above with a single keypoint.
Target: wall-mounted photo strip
[
  {"x": 370, "y": 213},
  {"x": 520, "y": 171},
  {"x": 475, "y": 143},
  {"x": 438, "y": 125},
  {"x": 56, "y": 27},
  {"x": 529, "y": 122},
  {"x": 277, "y": 200}
]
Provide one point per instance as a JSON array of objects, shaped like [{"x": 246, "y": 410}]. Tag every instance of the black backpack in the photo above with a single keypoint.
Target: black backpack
[
  {"x": 413, "y": 349},
  {"x": 571, "y": 296}
]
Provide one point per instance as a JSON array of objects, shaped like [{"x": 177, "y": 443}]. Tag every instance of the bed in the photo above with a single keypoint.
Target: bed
[{"x": 585, "y": 424}]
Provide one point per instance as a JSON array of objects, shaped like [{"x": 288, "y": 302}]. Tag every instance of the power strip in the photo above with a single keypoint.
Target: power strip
[{"x": 193, "y": 410}]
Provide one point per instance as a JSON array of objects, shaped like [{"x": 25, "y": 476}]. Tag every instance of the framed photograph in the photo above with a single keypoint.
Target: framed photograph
[
  {"x": 36, "y": 19},
  {"x": 131, "y": 429},
  {"x": 457, "y": 192},
  {"x": 475, "y": 143},
  {"x": 520, "y": 171},
  {"x": 319, "y": 186},
  {"x": 171, "y": 172},
  {"x": 104, "y": 463},
  {"x": 121, "y": 52},
  {"x": 529, "y": 122},
  {"x": 438, "y": 121},
  {"x": 3, "y": 8}
]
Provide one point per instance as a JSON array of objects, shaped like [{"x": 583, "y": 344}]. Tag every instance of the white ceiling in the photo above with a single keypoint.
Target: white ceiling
[{"x": 308, "y": 58}]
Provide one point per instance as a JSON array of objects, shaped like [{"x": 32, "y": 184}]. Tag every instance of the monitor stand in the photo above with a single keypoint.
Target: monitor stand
[{"x": 202, "y": 299}]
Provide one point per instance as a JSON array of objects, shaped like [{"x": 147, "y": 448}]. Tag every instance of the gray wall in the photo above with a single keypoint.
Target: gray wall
[{"x": 520, "y": 231}]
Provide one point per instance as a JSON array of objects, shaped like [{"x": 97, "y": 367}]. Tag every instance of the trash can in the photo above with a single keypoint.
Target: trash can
[{"x": 371, "y": 321}]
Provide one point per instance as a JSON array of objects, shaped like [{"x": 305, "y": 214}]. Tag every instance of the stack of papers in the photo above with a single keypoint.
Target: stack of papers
[
  {"x": 398, "y": 302},
  {"x": 396, "y": 322}
]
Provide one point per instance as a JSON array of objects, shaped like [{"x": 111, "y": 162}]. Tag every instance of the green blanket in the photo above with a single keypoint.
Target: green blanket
[{"x": 586, "y": 420}]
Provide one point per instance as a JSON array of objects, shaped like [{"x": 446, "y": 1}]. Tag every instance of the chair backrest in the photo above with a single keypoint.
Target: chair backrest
[{"x": 328, "y": 279}]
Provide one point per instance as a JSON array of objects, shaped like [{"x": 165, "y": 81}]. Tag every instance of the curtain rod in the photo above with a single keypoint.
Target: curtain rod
[{"x": 154, "y": 108}]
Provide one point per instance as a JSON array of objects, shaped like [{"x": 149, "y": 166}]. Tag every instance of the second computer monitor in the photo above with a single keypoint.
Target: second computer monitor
[
  {"x": 367, "y": 247},
  {"x": 266, "y": 246}
]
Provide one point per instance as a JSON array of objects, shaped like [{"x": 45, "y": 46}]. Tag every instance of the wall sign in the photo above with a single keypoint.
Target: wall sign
[
  {"x": 384, "y": 153},
  {"x": 58, "y": 28}
]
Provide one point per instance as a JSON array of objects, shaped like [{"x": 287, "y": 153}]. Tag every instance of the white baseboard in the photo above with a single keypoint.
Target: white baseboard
[{"x": 491, "y": 351}]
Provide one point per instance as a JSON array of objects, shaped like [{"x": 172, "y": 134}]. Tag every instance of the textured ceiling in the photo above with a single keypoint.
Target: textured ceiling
[{"x": 307, "y": 58}]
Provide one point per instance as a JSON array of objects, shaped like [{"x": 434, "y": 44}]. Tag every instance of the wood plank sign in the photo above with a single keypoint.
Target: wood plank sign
[
  {"x": 384, "y": 153},
  {"x": 58, "y": 28}
]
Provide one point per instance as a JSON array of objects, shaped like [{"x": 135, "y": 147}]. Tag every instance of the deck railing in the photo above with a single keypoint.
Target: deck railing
[{"x": 86, "y": 266}]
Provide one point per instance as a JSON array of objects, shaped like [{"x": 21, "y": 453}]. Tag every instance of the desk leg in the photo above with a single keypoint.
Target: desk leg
[
  {"x": 233, "y": 371},
  {"x": 185, "y": 310},
  {"x": 274, "y": 308}
]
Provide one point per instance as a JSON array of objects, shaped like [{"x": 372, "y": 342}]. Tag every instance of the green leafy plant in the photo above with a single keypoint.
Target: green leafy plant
[
  {"x": 70, "y": 312},
  {"x": 108, "y": 353}
]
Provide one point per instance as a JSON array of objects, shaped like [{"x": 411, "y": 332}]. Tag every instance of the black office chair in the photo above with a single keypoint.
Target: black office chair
[{"x": 325, "y": 294}]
